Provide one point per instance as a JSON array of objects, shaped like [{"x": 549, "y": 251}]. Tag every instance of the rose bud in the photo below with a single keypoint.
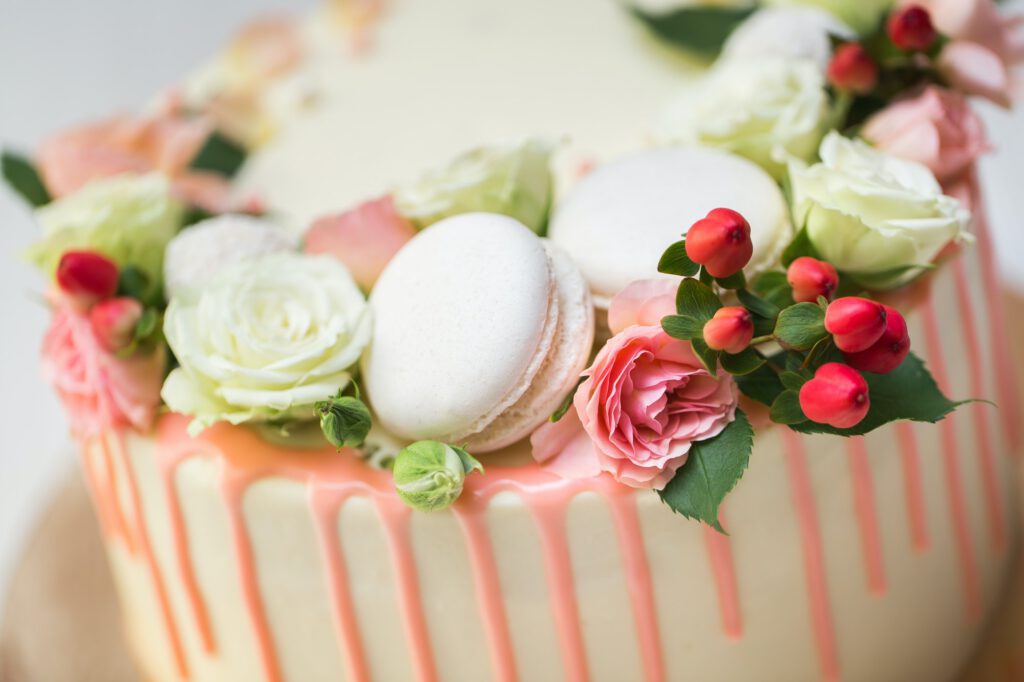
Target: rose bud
[
  {"x": 855, "y": 323},
  {"x": 910, "y": 28},
  {"x": 114, "y": 321},
  {"x": 886, "y": 354},
  {"x": 730, "y": 330},
  {"x": 86, "y": 277},
  {"x": 837, "y": 396},
  {"x": 720, "y": 242},
  {"x": 853, "y": 69},
  {"x": 811, "y": 278}
]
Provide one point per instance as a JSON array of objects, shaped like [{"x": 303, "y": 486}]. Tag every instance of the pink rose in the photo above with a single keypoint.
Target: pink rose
[
  {"x": 645, "y": 401},
  {"x": 643, "y": 302},
  {"x": 976, "y": 70},
  {"x": 99, "y": 390},
  {"x": 364, "y": 238},
  {"x": 936, "y": 127}
]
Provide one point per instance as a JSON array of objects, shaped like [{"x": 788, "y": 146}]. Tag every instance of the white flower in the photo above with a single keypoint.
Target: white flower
[
  {"x": 266, "y": 337},
  {"x": 768, "y": 109},
  {"x": 861, "y": 15},
  {"x": 872, "y": 215},
  {"x": 792, "y": 32},
  {"x": 196, "y": 255}
]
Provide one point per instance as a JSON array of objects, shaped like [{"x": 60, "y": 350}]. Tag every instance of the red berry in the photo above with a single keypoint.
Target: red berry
[
  {"x": 86, "y": 277},
  {"x": 837, "y": 396},
  {"x": 811, "y": 278},
  {"x": 853, "y": 69},
  {"x": 730, "y": 329},
  {"x": 886, "y": 354},
  {"x": 855, "y": 323},
  {"x": 720, "y": 242},
  {"x": 114, "y": 321},
  {"x": 910, "y": 28}
]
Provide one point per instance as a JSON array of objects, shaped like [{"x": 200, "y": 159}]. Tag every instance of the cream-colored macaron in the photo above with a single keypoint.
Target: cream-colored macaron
[
  {"x": 481, "y": 329},
  {"x": 619, "y": 219}
]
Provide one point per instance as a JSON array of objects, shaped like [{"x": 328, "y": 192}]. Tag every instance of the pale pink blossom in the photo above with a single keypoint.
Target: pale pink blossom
[
  {"x": 642, "y": 302},
  {"x": 976, "y": 70},
  {"x": 99, "y": 390}
]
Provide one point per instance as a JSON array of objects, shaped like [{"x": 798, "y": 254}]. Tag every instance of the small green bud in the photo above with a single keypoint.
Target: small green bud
[
  {"x": 429, "y": 475},
  {"x": 345, "y": 421}
]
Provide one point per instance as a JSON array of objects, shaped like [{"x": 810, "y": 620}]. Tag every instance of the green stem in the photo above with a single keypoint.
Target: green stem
[{"x": 762, "y": 339}]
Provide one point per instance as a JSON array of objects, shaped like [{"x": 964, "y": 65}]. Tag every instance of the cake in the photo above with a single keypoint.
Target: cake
[{"x": 390, "y": 403}]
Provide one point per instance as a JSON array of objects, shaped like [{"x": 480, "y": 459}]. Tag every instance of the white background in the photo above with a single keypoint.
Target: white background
[{"x": 71, "y": 61}]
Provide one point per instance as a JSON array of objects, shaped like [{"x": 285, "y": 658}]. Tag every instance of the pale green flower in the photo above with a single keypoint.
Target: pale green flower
[
  {"x": 863, "y": 16},
  {"x": 429, "y": 475},
  {"x": 265, "y": 339},
  {"x": 877, "y": 218},
  {"x": 128, "y": 218},
  {"x": 511, "y": 179}
]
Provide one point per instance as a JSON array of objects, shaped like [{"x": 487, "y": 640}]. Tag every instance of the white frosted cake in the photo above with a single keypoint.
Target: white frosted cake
[{"x": 528, "y": 344}]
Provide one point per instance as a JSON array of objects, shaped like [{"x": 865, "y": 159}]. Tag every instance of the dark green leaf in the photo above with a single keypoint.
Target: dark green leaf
[
  {"x": 801, "y": 326},
  {"x": 194, "y": 214},
  {"x": 707, "y": 357},
  {"x": 741, "y": 363},
  {"x": 762, "y": 384},
  {"x": 793, "y": 380},
  {"x": 800, "y": 246},
  {"x": 22, "y": 177},
  {"x": 146, "y": 325},
  {"x": 908, "y": 392},
  {"x": 696, "y": 300},
  {"x": 774, "y": 288},
  {"x": 567, "y": 403},
  {"x": 682, "y": 327},
  {"x": 134, "y": 283},
  {"x": 219, "y": 155},
  {"x": 345, "y": 421},
  {"x": 675, "y": 261},
  {"x": 696, "y": 29},
  {"x": 735, "y": 281},
  {"x": 786, "y": 408},
  {"x": 757, "y": 305},
  {"x": 705, "y": 277},
  {"x": 712, "y": 470}
]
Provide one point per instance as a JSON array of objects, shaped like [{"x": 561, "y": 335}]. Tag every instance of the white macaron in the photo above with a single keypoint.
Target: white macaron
[
  {"x": 481, "y": 329},
  {"x": 619, "y": 219}
]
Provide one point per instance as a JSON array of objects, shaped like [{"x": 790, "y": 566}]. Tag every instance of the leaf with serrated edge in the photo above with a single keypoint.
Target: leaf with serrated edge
[
  {"x": 713, "y": 468},
  {"x": 696, "y": 300},
  {"x": 675, "y": 261},
  {"x": 682, "y": 327},
  {"x": 801, "y": 326}
]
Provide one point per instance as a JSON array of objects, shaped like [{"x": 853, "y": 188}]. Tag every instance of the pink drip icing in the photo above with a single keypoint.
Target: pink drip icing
[
  {"x": 814, "y": 555},
  {"x": 913, "y": 486},
  {"x": 724, "y": 573},
  {"x": 867, "y": 516},
  {"x": 954, "y": 482},
  {"x": 986, "y": 456}
]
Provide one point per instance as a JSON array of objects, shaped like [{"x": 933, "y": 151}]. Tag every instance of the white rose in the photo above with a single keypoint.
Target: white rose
[
  {"x": 872, "y": 215},
  {"x": 266, "y": 337},
  {"x": 792, "y": 32},
  {"x": 196, "y": 255},
  {"x": 862, "y": 15},
  {"x": 769, "y": 110}
]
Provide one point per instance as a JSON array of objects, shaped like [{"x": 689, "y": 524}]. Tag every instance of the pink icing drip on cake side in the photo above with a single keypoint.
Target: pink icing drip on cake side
[
  {"x": 867, "y": 517},
  {"x": 913, "y": 486}
]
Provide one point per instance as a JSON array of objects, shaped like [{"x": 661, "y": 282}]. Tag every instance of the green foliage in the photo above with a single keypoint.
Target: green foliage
[
  {"x": 701, "y": 30},
  {"x": 23, "y": 178}
]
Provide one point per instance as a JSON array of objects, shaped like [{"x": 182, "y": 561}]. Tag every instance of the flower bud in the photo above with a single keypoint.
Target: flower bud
[
  {"x": 729, "y": 330},
  {"x": 86, "y": 277},
  {"x": 910, "y": 28},
  {"x": 429, "y": 475},
  {"x": 886, "y": 354},
  {"x": 114, "y": 321},
  {"x": 811, "y": 278},
  {"x": 853, "y": 69},
  {"x": 345, "y": 421},
  {"x": 837, "y": 396},
  {"x": 855, "y": 323},
  {"x": 720, "y": 242}
]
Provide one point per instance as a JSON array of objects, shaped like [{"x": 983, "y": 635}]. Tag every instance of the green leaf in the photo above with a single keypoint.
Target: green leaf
[
  {"x": 793, "y": 380},
  {"x": 194, "y": 214},
  {"x": 219, "y": 155},
  {"x": 696, "y": 29},
  {"x": 774, "y": 287},
  {"x": 762, "y": 384},
  {"x": 705, "y": 277},
  {"x": 743, "y": 362},
  {"x": 908, "y": 392},
  {"x": 683, "y": 327},
  {"x": 675, "y": 261},
  {"x": 23, "y": 178},
  {"x": 786, "y": 408},
  {"x": 696, "y": 300},
  {"x": 712, "y": 470},
  {"x": 133, "y": 282},
  {"x": 801, "y": 326},
  {"x": 469, "y": 462},
  {"x": 757, "y": 305},
  {"x": 800, "y": 246},
  {"x": 147, "y": 324},
  {"x": 735, "y": 281},
  {"x": 567, "y": 403},
  {"x": 707, "y": 357},
  {"x": 345, "y": 420}
]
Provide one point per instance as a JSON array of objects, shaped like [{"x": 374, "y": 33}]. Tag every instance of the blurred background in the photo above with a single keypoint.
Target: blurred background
[{"x": 68, "y": 62}]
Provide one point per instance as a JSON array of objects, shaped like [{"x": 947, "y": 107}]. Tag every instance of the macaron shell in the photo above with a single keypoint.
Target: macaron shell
[
  {"x": 620, "y": 218},
  {"x": 461, "y": 326},
  {"x": 565, "y": 361}
]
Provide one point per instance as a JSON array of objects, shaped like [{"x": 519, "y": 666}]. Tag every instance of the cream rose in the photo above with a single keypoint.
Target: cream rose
[
  {"x": 768, "y": 109},
  {"x": 266, "y": 337},
  {"x": 872, "y": 215}
]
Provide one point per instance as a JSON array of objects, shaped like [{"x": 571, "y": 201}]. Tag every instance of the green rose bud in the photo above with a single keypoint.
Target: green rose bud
[
  {"x": 429, "y": 475},
  {"x": 345, "y": 421},
  {"x": 128, "y": 218},
  {"x": 513, "y": 180}
]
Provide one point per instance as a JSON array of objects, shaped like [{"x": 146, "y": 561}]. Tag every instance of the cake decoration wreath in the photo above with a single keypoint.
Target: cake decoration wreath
[{"x": 172, "y": 292}]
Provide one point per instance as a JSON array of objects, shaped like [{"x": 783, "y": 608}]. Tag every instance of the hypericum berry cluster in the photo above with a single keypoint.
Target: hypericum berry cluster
[{"x": 783, "y": 323}]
